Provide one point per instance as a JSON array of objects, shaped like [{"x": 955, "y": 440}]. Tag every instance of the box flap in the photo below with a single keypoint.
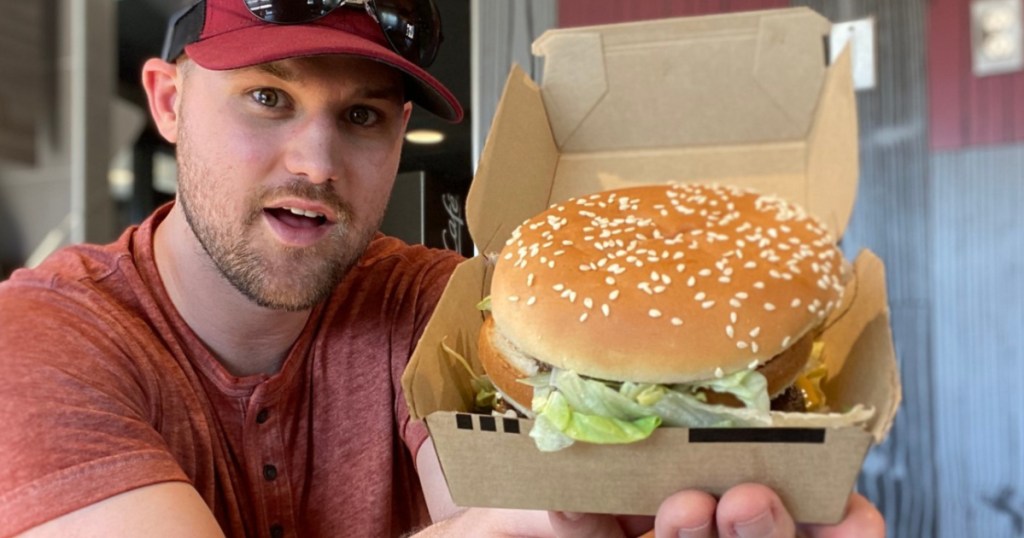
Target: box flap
[
  {"x": 860, "y": 328},
  {"x": 435, "y": 380},
  {"x": 513, "y": 180},
  {"x": 701, "y": 81}
]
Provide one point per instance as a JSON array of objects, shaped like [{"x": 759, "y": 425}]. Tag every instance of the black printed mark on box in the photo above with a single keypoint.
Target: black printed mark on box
[
  {"x": 464, "y": 421},
  {"x": 758, "y": 435}
]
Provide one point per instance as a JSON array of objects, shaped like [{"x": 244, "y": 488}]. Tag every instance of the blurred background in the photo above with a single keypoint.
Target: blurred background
[{"x": 941, "y": 111}]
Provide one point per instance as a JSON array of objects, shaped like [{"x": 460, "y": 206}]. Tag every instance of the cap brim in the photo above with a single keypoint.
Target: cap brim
[{"x": 269, "y": 43}]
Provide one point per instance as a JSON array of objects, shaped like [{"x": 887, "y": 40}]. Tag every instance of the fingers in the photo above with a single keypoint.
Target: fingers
[
  {"x": 576, "y": 525},
  {"x": 862, "y": 520},
  {"x": 745, "y": 511},
  {"x": 750, "y": 510},
  {"x": 687, "y": 514}
]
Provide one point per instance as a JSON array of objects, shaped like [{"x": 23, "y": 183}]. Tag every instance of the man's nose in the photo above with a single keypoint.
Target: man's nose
[{"x": 314, "y": 150}]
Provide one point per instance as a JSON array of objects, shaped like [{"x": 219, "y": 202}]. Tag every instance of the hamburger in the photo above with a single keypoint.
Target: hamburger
[{"x": 681, "y": 305}]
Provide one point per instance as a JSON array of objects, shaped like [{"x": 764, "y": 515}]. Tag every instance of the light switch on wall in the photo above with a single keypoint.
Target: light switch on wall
[
  {"x": 860, "y": 36},
  {"x": 996, "y": 37}
]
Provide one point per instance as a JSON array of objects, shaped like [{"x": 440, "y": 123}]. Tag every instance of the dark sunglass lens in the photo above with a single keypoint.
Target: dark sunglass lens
[
  {"x": 291, "y": 11},
  {"x": 413, "y": 27}
]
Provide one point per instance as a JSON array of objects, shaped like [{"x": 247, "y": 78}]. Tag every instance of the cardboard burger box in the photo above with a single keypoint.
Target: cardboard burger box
[{"x": 745, "y": 99}]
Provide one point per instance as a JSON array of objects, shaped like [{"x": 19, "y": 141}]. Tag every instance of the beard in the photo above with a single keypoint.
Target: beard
[{"x": 270, "y": 275}]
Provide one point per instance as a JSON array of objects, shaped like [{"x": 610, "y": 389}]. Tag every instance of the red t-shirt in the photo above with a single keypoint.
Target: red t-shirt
[{"x": 104, "y": 388}]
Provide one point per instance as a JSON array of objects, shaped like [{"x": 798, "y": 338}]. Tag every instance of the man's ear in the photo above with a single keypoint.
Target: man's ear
[{"x": 163, "y": 87}]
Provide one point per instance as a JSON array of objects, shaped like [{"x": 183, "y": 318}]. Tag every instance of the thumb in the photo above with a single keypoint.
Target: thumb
[{"x": 577, "y": 525}]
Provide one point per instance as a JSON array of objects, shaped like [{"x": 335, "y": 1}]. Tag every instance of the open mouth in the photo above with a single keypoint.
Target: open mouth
[{"x": 297, "y": 218}]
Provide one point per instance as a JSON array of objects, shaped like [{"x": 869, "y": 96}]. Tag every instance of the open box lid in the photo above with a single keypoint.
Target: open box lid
[{"x": 742, "y": 99}]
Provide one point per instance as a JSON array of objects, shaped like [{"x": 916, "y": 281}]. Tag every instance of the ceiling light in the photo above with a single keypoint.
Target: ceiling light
[{"x": 424, "y": 136}]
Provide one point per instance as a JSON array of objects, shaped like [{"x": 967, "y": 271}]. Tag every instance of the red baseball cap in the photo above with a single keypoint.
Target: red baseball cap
[{"x": 224, "y": 34}]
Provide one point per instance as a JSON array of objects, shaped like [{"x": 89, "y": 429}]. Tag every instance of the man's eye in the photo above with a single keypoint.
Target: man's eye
[
  {"x": 266, "y": 97},
  {"x": 362, "y": 116}
]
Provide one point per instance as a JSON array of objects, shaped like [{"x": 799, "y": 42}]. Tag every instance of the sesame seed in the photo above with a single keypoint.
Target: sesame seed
[
  {"x": 752, "y": 365},
  {"x": 755, "y": 331},
  {"x": 735, "y": 303},
  {"x": 704, "y": 272},
  {"x": 588, "y": 302},
  {"x": 677, "y": 322},
  {"x": 558, "y": 287},
  {"x": 741, "y": 344},
  {"x": 732, "y": 317},
  {"x": 529, "y": 280},
  {"x": 795, "y": 303},
  {"x": 769, "y": 307},
  {"x": 753, "y": 347},
  {"x": 692, "y": 281},
  {"x": 759, "y": 285},
  {"x": 700, "y": 296},
  {"x": 719, "y": 373},
  {"x": 785, "y": 342},
  {"x": 729, "y": 331},
  {"x": 513, "y": 298},
  {"x": 654, "y": 313},
  {"x": 605, "y": 310},
  {"x": 531, "y": 300},
  {"x": 613, "y": 295},
  {"x": 707, "y": 304},
  {"x": 583, "y": 317},
  {"x": 609, "y": 280}
]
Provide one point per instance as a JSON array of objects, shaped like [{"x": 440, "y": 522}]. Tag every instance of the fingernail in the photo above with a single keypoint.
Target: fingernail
[
  {"x": 572, "y": 516},
  {"x": 761, "y": 526},
  {"x": 693, "y": 532}
]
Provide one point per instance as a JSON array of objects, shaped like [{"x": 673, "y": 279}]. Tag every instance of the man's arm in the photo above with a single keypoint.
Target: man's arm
[{"x": 168, "y": 509}]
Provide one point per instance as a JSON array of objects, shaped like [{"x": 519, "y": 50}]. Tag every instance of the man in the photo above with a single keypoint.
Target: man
[{"x": 231, "y": 366}]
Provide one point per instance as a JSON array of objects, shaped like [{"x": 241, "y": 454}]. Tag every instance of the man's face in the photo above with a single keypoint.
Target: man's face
[{"x": 286, "y": 170}]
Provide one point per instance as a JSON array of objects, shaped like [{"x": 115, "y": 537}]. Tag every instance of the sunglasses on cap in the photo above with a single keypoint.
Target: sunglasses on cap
[{"x": 411, "y": 27}]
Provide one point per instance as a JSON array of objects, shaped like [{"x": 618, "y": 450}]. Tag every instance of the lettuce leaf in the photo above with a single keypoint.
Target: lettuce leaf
[{"x": 570, "y": 407}]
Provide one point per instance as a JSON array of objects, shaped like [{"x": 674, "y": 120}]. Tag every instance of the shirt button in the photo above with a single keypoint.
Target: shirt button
[
  {"x": 276, "y": 531},
  {"x": 262, "y": 416},
  {"x": 269, "y": 472}
]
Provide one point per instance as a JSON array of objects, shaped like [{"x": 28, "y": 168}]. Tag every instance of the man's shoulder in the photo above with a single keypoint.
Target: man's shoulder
[
  {"x": 385, "y": 248},
  {"x": 78, "y": 279}
]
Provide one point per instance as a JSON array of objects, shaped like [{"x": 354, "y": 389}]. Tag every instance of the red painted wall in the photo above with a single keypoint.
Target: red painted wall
[{"x": 966, "y": 110}]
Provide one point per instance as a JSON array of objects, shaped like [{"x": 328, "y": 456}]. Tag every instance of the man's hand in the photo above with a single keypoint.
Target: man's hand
[{"x": 748, "y": 510}]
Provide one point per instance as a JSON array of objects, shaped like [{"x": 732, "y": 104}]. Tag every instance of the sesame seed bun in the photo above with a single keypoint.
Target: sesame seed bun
[{"x": 665, "y": 284}]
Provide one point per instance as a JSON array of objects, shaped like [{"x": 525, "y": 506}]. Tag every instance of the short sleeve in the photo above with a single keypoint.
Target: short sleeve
[{"x": 73, "y": 417}]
